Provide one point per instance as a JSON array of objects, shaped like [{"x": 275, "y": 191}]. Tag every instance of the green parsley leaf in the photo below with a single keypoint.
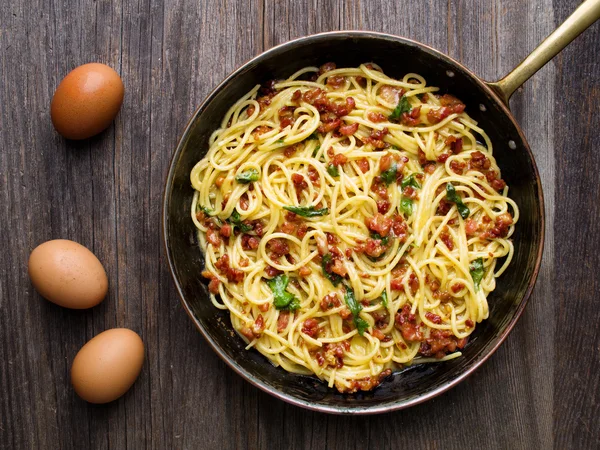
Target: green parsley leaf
[
  {"x": 410, "y": 181},
  {"x": 247, "y": 177},
  {"x": 307, "y": 211},
  {"x": 403, "y": 107},
  {"x": 453, "y": 196},
  {"x": 384, "y": 298},
  {"x": 313, "y": 136},
  {"x": 282, "y": 299},
  {"x": 355, "y": 308},
  {"x": 204, "y": 209},
  {"x": 279, "y": 141},
  {"x": 333, "y": 170},
  {"x": 476, "y": 269},
  {"x": 236, "y": 221},
  {"x": 406, "y": 206},
  {"x": 315, "y": 151},
  {"x": 389, "y": 176}
]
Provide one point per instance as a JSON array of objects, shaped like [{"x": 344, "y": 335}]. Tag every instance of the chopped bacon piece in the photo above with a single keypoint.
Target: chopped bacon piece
[
  {"x": 264, "y": 307},
  {"x": 407, "y": 324},
  {"x": 313, "y": 175},
  {"x": 469, "y": 323},
  {"x": 492, "y": 178},
  {"x": 363, "y": 165},
  {"x": 220, "y": 180},
  {"x": 443, "y": 207},
  {"x": 447, "y": 240},
  {"x": 379, "y": 188},
  {"x": 433, "y": 317},
  {"x": 332, "y": 239},
  {"x": 396, "y": 284},
  {"x": 286, "y": 116},
  {"x": 310, "y": 327},
  {"x": 471, "y": 227},
  {"x": 410, "y": 192},
  {"x": 339, "y": 159},
  {"x": 259, "y": 326},
  {"x": 288, "y": 228},
  {"x": 225, "y": 230},
  {"x": 412, "y": 118},
  {"x": 399, "y": 228},
  {"x": 443, "y": 157},
  {"x": 376, "y": 138},
  {"x": 283, "y": 320},
  {"x": 258, "y": 227},
  {"x": 379, "y": 224},
  {"x": 441, "y": 342},
  {"x": 304, "y": 271},
  {"x": 244, "y": 202},
  {"x": 261, "y": 129},
  {"x": 336, "y": 81},
  {"x": 500, "y": 228},
  {"x": 279, "y": 247},
  {"x": 457, "y": 287},
  {"x": 327, "y": 67},
  {"x": 329, "y": 126},
  {"x": 348, "y": 130},
  {"x": 330, "y": 301},
  {"x": 376, "y": 117},
  {"x": 383, "y": 206},
  {"x": 456, "y": 144},
  {"x": 247, "y": 333},
  {"x": 454, "y": 104},
  {"x": 436, "y": 115},
  {"x": 213, "y": 286},
  {"x": 250, "y": 242},
  {"x": 271, "y": 271},
  {"x": 385, "y": 162},
  {"x": 391, "y": 94},
  {"x": 289, "y": 151},
  {"x": 250, "y": 110},
  {"x": 457, "y": 167},
  {"x": 296, "y": 95},
  {"x": 339, "y": 268},
  {"x": 377, "y": 334},
  {"x": 345, "y": 313},
  {"x": 413, "y": 282},
  {"x": 479, "y": 161},
  {"x": 213, "y": 237},
  {"x": 302, "y": 230}
]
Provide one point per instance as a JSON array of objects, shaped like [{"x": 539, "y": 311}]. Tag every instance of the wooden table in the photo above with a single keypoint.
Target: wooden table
[{"x": 541, "y": 389}]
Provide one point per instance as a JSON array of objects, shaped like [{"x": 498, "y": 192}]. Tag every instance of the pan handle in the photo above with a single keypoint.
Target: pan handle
[{"x": 584, "y": 16}]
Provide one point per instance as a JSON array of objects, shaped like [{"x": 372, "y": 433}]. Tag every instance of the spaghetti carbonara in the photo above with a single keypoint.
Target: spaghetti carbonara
[{"x": 352, "y": 223}]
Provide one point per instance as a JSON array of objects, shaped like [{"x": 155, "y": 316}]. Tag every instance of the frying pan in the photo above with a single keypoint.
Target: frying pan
[{"x": 486, "y": 102}]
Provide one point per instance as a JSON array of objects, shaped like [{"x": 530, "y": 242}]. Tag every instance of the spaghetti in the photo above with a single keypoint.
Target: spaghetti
[{"x": 351, "y": 223}]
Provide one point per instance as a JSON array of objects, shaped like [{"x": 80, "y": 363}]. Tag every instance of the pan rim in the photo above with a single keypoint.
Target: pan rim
[{"x": 248, "y": 376}]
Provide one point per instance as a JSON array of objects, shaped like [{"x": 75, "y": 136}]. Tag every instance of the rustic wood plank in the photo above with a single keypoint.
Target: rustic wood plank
[
  {"x": 577, "y": 318},
  {"x": 106, "y": 193}
]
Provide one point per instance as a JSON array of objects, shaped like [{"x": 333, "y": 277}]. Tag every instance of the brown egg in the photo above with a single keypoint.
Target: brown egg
[
  {"x": 86, "y": 101},
  {"x": 68, "y": 274},
  {"x": 108, "y": 365}
]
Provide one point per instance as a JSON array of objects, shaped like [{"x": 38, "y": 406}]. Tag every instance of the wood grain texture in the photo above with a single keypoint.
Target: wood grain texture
[{"x": 540, "y": 390}]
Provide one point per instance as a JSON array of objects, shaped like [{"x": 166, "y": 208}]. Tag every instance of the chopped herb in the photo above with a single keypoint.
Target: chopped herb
[
  {"x": 283, "y": 299},
  {"x": 279, "y": 141},
  {"x": 410, "y": 181},
  {"x": 355, "y": 308},
  {"x": 476, "y": 269},
  {"x": 313, "y": 136},
  {"x": 384, "y": 298},
  {"x": 236, "y": 221},
  {"x": 307, "y": 211},
  {"x": 204, "y": 209},
  {"x": 403, "y": 107},
  {"x": 389, "y": 176},
  {"x": 384, "y": 240},
  {"x": 406, "y": 206},
  {"x": 333, "y": 277},
  {"x": 315, "y": 151},
  {"x": 333, "y": 170},
  {"x": 247, "y": 176},
  {"x": 452, "y": 196}
]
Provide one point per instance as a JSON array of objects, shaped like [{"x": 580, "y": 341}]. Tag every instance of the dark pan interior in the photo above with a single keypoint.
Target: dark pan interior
[{"x": 397, "y": 57}]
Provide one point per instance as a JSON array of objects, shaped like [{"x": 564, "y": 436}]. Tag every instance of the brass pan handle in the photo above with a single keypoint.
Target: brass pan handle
[{"x": 584, "y": 16}]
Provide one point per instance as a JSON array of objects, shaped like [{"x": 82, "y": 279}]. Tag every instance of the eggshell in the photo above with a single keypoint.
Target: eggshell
[
  {"x": 68, "y": 274},
  {"x": 86, "y": 101},
  {"x": 107, "y": 365}
]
